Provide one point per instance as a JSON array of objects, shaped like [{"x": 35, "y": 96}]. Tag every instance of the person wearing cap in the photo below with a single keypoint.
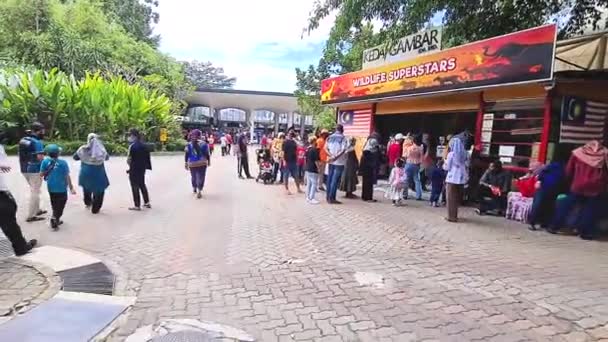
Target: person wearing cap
[
  {"x": 56, "y": 173},
  {"x": 394, "y": 150},
  {"x": 323, "y": 156},
  {"x": 336, "y": 147},
  {"x": 31, "y": 153},
  {"x": 139, "y": 162},
  {"x": 8, "y": 212}
]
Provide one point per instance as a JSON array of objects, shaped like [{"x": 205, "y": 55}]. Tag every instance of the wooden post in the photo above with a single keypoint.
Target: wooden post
[
  {"x": 479, "y": 123},
  {"x": 544, "y": 137}
]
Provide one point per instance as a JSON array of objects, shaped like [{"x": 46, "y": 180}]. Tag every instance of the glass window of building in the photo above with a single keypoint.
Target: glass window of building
[{"x": 232, "y": 114}]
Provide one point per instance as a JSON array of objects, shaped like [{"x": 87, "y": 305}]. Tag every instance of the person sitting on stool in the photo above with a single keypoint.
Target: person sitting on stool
[{"x": 493, "y": 189}]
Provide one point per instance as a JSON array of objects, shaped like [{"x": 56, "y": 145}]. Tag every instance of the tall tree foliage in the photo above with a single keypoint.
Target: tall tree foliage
[
  {"x": 309, "y": 95},
  {"x": 137, "y": 17},
  {"x": 464, "y": 21},
  {"x": 205, "y": 75}
]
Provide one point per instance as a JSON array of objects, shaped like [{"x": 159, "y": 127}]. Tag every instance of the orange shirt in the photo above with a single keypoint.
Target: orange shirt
[{"x": 322, "y": 152}]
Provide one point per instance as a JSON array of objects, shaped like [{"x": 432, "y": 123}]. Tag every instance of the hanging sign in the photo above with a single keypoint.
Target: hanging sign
[
  {"x": 405, "y": 48},
  {"x": 520, "y": 57}
]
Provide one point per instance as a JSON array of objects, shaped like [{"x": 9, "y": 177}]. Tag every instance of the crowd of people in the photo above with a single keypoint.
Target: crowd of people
[
  {"x": 41, "y": 164},
  {"x": 322, "y": 162}
]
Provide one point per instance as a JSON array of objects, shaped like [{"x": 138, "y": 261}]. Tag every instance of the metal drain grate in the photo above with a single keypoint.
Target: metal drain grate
[
  {"x": 185, "y": 336},
  {"x": 94, "y": 278}
]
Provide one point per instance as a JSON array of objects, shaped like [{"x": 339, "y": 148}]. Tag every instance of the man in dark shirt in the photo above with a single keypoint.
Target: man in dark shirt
[
  {"x": 494, "y": 187},
  {"x": 244, "y": 161},
  {"x": 290, "y": 158},
  {"x": 139, "y": 161}
]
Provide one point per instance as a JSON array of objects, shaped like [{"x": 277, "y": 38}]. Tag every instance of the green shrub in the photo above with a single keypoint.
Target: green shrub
[
  {"x": 176, "y": 146},
  {"x": 70, "y": 147}
]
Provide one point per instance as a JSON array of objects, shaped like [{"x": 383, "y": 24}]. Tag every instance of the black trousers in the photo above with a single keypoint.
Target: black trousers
[
  {"x": 138, "y": 185},
  {"x": 93, "y": 200},
  {"x": 58, "y": 201},
  {"x": 367, "y": 188},
  {"x": 8, "y": 222},
  {"x": 244, "y": 166}
]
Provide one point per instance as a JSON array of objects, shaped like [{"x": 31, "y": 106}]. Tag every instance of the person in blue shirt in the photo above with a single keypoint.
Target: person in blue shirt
[
  {"x": 56, "y": 173},
  {"x": 197, "y": 158},
  {"x": 31, "y": 153}
]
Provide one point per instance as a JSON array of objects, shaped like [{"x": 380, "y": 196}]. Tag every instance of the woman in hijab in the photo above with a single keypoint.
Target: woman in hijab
[
  {"x": 457, "y": 166},
  {"x": 587, "y": 171},
  {"x": 349, "y": 177},
  {"x": 197, "y": 159},
  {"x": 93, "y": 178},
  {"x": 369, "y": 166}
]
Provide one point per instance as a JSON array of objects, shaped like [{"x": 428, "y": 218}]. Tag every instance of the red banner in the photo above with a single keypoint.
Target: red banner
[{"x": 520, "y": 57}]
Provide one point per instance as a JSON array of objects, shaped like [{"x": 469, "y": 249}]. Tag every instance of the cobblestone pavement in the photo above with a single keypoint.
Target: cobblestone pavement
[
  {"x": 20, "y": 286},
  {"x": 249, "y": 256}
]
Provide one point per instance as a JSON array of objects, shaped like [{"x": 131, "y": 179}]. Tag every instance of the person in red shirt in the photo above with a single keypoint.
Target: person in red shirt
[
  {"x": 394, "y": 150},
  {"x": 264, "y": 142},
  {"x": 587, "y": 171},
  {"x": 301, "y": 151}
]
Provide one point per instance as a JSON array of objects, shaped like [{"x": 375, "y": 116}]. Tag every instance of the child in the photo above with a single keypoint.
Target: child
[
  {"x": 397, "y": 181},
  {"x": 438, "y": 175},
  {"x": 312, "y": 170},
  {"x": 56, "y": 173},
  {"x": 301, "y": 151}
]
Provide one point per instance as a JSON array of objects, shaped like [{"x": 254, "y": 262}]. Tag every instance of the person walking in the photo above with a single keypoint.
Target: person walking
[
  {"x": 8, "y": 212},
  {"x": 335, "y": 147},
  {"x": 197, "y": 159},
  {"x": 412, "y": 153},
  {"x": 312, "y": 170},
  {"x": 224, "y": 145},
  {"x": 277, "y": 156},
  {"x": 323, "y": 155},
  {"x": 457, "y": 166},
  {"x": 350, "y": 180},
  {"x": 93, "y": 178},
  {"x": 31, "y": 153},
  {"x": 56, "y": 173},
  {"x": 139, "y": 162},
  {"x": 369, "y": 166},
  {"x": 290, "y": 158},
  {"x": 228, "y": 143},
  {"x": 243, "y": 157}
]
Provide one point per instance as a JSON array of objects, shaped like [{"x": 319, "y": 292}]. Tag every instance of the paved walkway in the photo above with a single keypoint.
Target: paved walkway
[
  {"x": 20, "y": 285},
  {"x": 249, "y": 256}
]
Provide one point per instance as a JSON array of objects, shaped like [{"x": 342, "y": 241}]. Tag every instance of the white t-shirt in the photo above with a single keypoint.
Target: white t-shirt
[
  {"x": 224, "y": 141},
  {"x": 3, "y": 162}
]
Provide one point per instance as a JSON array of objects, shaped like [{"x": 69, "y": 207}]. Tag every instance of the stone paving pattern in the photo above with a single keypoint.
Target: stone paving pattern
[
  {"x": 20, "y": 285},
  {"x": 224, "y": 259}
]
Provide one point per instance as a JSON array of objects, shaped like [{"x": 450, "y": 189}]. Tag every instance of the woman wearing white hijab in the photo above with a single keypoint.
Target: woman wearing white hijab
[
  {"x": 93, "y": 178},
  {"x": 457, "y": 166}
]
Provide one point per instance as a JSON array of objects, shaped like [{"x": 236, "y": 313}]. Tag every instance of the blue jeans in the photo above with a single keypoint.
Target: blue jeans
[
  {"x": 413, "y": 174},
  {"x": 333, "y": 181},
  {"x": 586, "y": 220},
  {"x": 198, "y": 177},
  {"x": 311, "y": 185}
]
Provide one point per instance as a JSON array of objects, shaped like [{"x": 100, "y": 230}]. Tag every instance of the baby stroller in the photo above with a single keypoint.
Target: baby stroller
[{"x": 265, "y": 167}]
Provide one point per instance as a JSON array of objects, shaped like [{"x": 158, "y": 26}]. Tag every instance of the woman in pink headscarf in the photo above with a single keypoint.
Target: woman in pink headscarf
[{"x": 587, "y": 171}]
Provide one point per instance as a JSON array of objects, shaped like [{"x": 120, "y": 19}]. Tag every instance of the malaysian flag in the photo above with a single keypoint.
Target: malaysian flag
[
  {"x": 357, "y": 123},
  {"x": 582, "y": 120}
]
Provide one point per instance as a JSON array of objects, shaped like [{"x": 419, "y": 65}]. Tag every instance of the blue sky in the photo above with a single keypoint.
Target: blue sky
[{"x": 258, "y": 42}]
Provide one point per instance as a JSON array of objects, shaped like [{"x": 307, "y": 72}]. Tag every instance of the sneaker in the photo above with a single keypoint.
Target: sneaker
[
  {"x": 198, "y": 195},
  {"x": 135, "y": 208},
  {"x": 313, "y": 201},
  {"x": 54, "y": 224},
  {"x": 34, "y": 219},
  {"x": 147, "y": 205}
]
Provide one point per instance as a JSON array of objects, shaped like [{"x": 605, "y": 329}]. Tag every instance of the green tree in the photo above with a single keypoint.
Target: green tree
[
  {"x": 137, "y": 17},
  {"x": 463, "y": 21},
  {"x": 205, "y": 75},
  {"x": 309, "y": 95}
]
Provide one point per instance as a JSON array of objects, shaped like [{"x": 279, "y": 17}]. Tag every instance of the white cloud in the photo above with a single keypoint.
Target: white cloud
[{"x": 247, "y": 38}]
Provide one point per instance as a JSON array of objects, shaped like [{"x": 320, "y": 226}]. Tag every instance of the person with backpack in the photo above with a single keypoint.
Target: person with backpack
[
  {"x": 8, "y": 212},
  {"x": 197, "y": 160},
  {"x": 56, "y": 173},
  {"x": 31, "y": 153}
]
